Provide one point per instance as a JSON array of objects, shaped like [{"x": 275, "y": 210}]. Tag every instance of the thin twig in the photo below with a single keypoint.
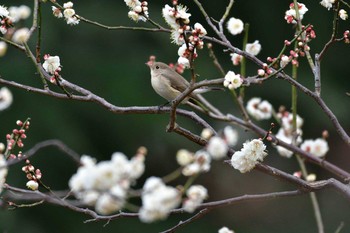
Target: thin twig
[{"x": 198, "y": 215}]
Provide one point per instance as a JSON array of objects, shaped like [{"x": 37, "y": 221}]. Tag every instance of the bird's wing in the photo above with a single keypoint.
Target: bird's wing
[{"x": 178, "y": 82}]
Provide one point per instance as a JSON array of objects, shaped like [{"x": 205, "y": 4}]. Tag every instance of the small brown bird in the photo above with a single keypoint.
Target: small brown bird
[{"x": 169, "y": 84}]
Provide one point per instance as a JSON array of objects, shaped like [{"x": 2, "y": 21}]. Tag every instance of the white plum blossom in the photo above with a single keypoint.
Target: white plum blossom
[
  {"x": 285, "y": 133},
  {"x": 201, "y": 163},
  {"x": 232, "y": 80},
  {"x": 68, "y": 5},
  {"x": 225, "y": 230},
  {"x": 33, "y": 185},
  {"x": 132, "y": 3},
  {"x": 343, "y": 14},
  {"x": 195, "y": 196},
  {"x": 327, "y": 3},
  {"x": 217, "y": 148},
  {"x": 70, "y": 17},
  {"x": 318, "y": 147},
  {"x": 236, "y": 58},
  {"x": 51, "y": 64},
  {"x": 287, "y": 138},
  {"x": 171, "y": 15},
  {"x": 3, "y": 171},
  {"x": 207, "y": 133},
  {"x": 284, "y": 60},
  {"x": 21, "y": 36},
  {"x": 183, "y": 61},
  {"x": 184, "y": 157},
  {"x": 19, "y": 13},
  {"x": 107, "y": 204},
  {"x": 57, "y": 12},
  {"x": 6, "y": 98},
  {"x": 260, "y": 110},
  {"x": 104, "y": 185},
  {"x": 4, "y": 12},
  {"x": 235, "y": 26},
  {"x": 311, "y": 177},
  {"x": 200, "y": 29},
  {"x": 138, "y": 10},
  {"x": 287, "y": 122},
  {"x": 230, "y": 136},
  {"x": 252, "y": 153},
  {"x": 158, "y": 200},
  {"x": 3, "y": 48},
  {"x": 253, "y": 48},
  {"x": 291, "y": 14}
]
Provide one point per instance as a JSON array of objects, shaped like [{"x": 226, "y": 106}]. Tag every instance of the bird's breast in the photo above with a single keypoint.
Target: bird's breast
[{"x": 163, "y": 88}]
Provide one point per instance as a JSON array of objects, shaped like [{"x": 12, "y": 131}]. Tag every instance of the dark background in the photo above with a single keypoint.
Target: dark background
[{"x": 111, "y": 64}]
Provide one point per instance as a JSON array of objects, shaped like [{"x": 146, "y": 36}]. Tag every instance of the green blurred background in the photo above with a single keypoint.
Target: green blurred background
[{"x": 111, "y": 64}]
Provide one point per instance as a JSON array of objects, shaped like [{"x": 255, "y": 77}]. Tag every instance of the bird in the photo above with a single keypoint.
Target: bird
[{"x": 169, "y": 84}]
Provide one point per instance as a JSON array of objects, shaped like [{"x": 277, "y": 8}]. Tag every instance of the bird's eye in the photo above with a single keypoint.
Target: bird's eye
[{"x": 157, "y": 67}]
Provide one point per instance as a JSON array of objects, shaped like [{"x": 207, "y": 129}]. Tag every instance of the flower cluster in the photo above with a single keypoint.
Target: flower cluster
[
  {"x": 291, "y": 14},
  {"x": 189, "y": 40},
  {"x": 252, "y": 153},
  {"x": 16, "y": 138},
  {"x": 260, "y": 110},
  {"x": 196, "y": 194},
  {"x": 158, "y": 200},
  {"x": 6, "y": 98},
  {"x": 5, "y": 20},
  {"x": 52, "y": 65},
  {"x": 232, "y": 81},
  {"x": 3, "y": 170},
  {"x": 18, "y": 13},
  {"x": 104, "y": 185},
  {"x": 235, "y": 26},
  {"x": 217, "y": 148},
  {"x": 299, "y": 51},
  {"x": 138, "y": 10},
  {"x": 318, "y": 147},
  {"x": 33, "y": 175},
  {"x": 285, "y": 133},
  {"x": 68, "y": 13}
]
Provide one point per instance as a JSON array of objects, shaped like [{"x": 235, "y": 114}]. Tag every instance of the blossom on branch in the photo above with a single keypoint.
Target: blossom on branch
[
  {"x": 291, "y": 14},
  {"x": 343, "y": 14},
  {"x": 19, "y": 13},
  {"x": 105, "y": 184},
  {"x": 138, "y": 10},
  {"x": 260, "y": 110},
  {"x": 251, "y": 154},
  {"x": 6, "y": 98},
  {"x": 327, "y": 3},
  {"x": 52, "y": 64},
  {"x": 236, "y": 58},
  {"x": 253, "y": 48},
  {"x": 195, "y": 196},
  {"x": 318, "y": 147},
  {"x": 157, "y": 200},
  {"x": 21, "y": 36},
  {"x": 232, "y": 80},
  {"x": 68, "y": 13},
  {"x": 235, "y": 26}
]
